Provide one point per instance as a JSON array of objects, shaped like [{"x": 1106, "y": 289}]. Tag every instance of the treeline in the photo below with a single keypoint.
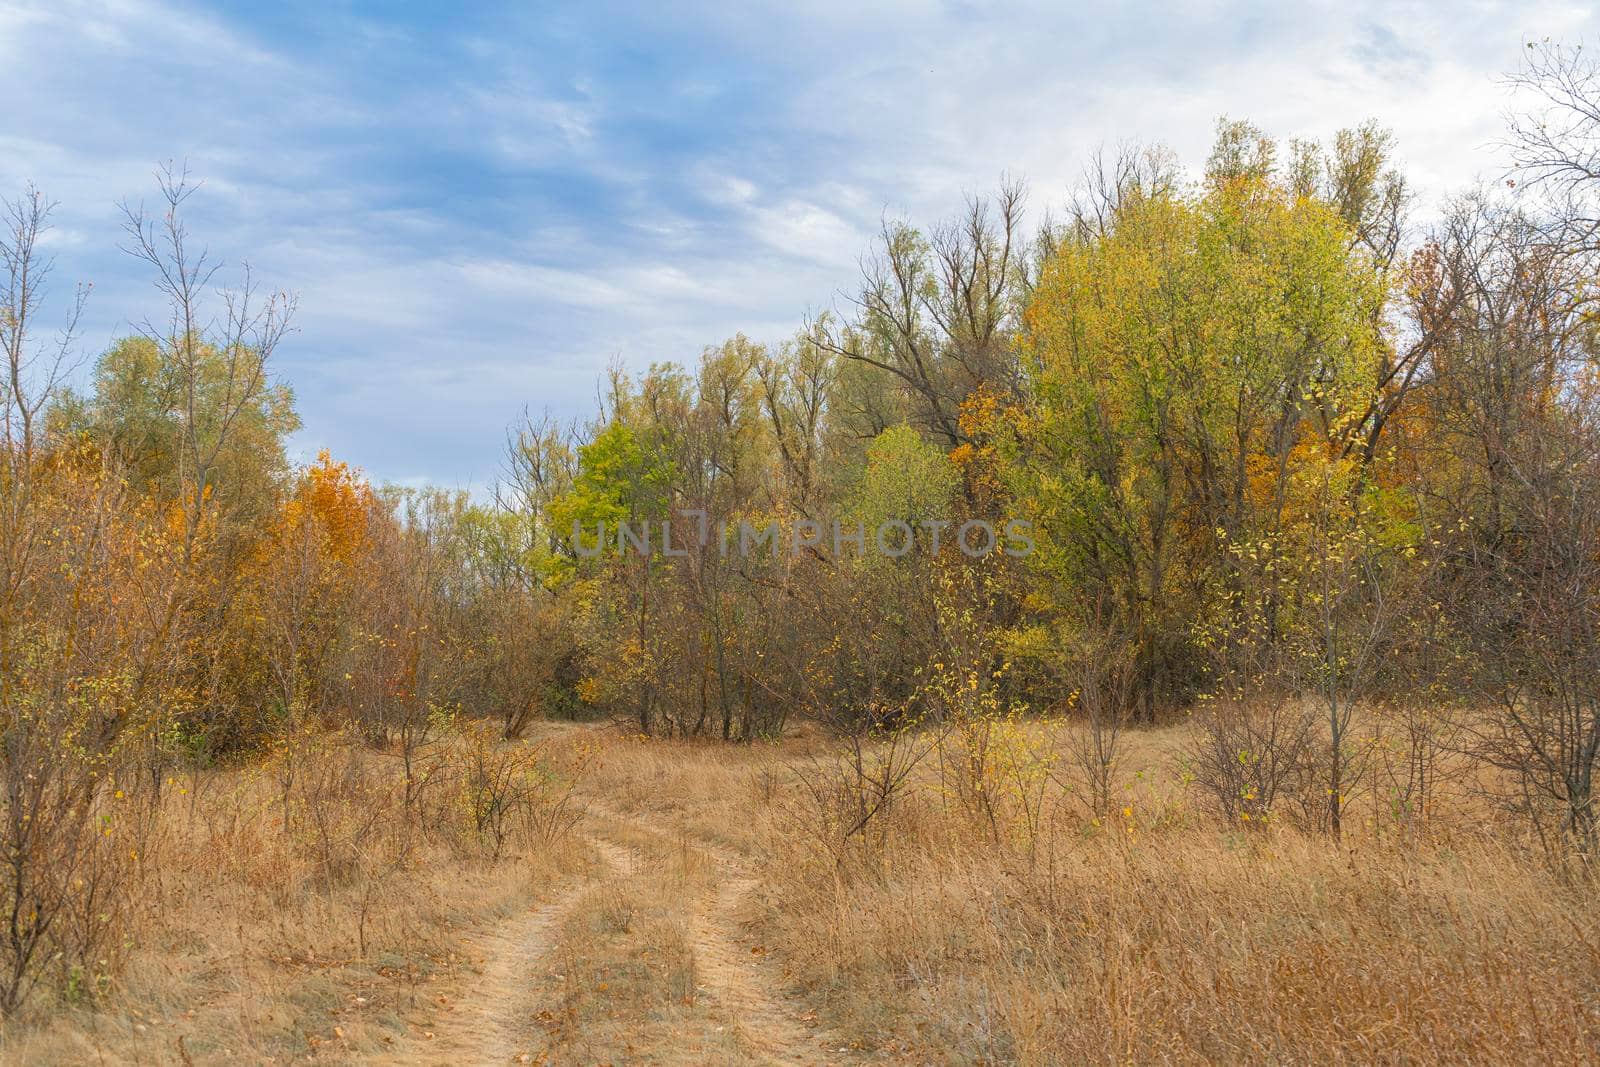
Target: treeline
[
  {"x": 1283, "y": 461},
  {"x": 1289, "y": 466}
]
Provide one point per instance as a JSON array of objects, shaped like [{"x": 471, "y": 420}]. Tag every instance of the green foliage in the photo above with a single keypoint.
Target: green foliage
[
  {"x": 1184, "y": 365},
  {"x": 139, "y": 409},
  {"x": 905, "y": 477},
  {"x": 620, "y": 478}
]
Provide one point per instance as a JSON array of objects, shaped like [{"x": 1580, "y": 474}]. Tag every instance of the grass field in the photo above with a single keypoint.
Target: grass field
[{"x": 677, "y": 903}]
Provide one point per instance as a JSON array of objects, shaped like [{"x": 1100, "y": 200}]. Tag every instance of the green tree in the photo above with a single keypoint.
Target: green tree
[{"x": 1177, "y": 360}]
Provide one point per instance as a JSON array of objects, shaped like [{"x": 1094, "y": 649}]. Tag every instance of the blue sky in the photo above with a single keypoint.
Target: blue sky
[{"x": 480, "y": 209}]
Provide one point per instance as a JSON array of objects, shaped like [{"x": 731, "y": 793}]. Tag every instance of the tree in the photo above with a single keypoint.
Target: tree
[
  {"x": 1506, "y": 446},
  {"x": 935, "y": 313},
  {"x": 85, "y": 572},
  {"x": 1555, "y": 145},
  {"x": 213, "y": 371},
  {"x": 137, "y": 413},
  {"x": 1177, "y": 359}
]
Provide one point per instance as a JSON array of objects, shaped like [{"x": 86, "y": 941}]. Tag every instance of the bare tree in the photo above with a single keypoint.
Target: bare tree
[
  {"x": 64, "y": 640},
  {"x": 795, "y": 389},
  {"x": 33, "y": 372},
  {"x": 935, "y": 312},
  {"x": 541, "y": 460},
  {"x": 221, "y": 362},
  {"x": 1555, "y": 144},
  {"x": 46, "y": 807},
  {"x": 1539, "y": 629},
  {"x": 1516, "y": 483},
  {"x": 1109, "y": 182}
]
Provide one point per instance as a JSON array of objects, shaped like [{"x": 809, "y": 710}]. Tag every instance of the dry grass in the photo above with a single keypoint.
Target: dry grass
[
  {"x": 330, "y": 927},
  {"x": 986, "y": 917},
  {"x": 1194, "y": 947},
  {"x": 1154, "y": 935}
]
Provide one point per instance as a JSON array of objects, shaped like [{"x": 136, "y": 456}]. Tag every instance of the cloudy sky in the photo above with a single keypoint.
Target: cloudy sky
[{"x": 480, "y": 210}]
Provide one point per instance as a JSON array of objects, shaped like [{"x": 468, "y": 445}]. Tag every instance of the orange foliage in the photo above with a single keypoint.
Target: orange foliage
[
  {"x": 337, "y": 500},
  {"x": 981, "y": 418}
]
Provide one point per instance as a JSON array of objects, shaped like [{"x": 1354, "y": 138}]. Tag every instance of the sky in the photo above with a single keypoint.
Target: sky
[{"x": 481, "y": 209}]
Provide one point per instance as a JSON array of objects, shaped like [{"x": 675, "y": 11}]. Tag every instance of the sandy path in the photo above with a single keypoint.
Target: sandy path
[
  {"x": 731, "y": 968},
  {"x": 490, "y": 1024},
  {"x": 739, "y": 977}
]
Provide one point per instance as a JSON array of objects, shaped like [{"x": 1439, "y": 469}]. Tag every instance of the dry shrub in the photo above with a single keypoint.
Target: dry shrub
[
  {"x": 853, "y": 791},
  {"x": 1171, "y": 942},
  {"x": 255, "y": 922},
  {"x": 1254, "y": 758},
  {"x": 1413, "y": 743},
  {"x": 1105, "y": 673},
  {"x": 494, "y": 790},
  {"x": 341, "y": 798},
  {"x": 510, "y": 790},
  {"x": 997, "y": 769},
  {"x": 529, "y": 644},
  {"x": 75, "y": 848}
]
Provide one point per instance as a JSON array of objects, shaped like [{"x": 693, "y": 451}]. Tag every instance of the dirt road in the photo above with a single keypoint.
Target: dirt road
[{"x": 518, "y": 1005}]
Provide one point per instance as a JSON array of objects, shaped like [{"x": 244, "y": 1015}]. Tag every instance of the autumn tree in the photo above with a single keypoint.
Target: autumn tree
[
  {"x": 936, "y": 311},
  {"x": 86, "y": 572},
  {"x": 1181, "y": 364}
]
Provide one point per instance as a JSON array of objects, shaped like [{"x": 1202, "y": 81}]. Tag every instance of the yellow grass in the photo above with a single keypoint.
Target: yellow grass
[
  {"x": 247, "y": 944},
  {"x": 1156, "y": 936},
  {"x": 704, "y": 911}
]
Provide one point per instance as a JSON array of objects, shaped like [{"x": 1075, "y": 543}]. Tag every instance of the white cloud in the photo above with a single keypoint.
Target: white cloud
[{"x": 481, "y": 212}]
